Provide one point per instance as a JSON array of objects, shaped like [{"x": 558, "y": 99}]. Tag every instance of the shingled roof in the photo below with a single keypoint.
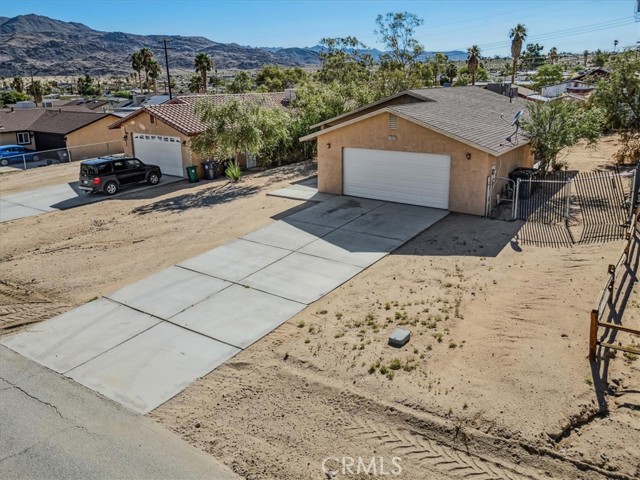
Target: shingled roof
[
  {"x": 65, "y": 121},
  {"x": 59, "y": 120},
  {"x": 179, "y": 113},
  {"x": 471, "y": 115}
]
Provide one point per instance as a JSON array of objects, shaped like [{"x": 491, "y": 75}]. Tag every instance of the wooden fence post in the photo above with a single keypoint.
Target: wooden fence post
[
  {"x": 593, "y": 335},
  {"x": 612, "y": 281}
]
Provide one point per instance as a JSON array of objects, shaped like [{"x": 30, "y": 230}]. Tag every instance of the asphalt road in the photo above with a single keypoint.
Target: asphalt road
[{"x": 53, "y": 428}]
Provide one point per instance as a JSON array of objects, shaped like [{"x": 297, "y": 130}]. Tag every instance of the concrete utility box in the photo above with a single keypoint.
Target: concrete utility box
[{"x": 399, "y": 337}]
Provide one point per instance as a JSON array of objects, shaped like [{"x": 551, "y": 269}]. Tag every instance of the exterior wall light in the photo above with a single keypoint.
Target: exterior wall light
[
  {"x": 468, "y": 155},
  {"x": 328, "y": 145}
]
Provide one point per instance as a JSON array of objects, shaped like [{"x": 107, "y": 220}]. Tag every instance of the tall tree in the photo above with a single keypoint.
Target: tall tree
[
  {"x": 619, "y": 97},
  {"x": 553, "y": 55},
  {"x": 195, "y": 85},
  {"x": 585, "y": 54},
  {"x": 518, "y": 35},
  {"x": 203, "y": 64},
  {"x": 18, "y": 84},
  {"x": 552, "y": 127},
  {"x": 238, "y": 127},
  {"x": 344, "y": 59},
  {"x": 154, "y": 73},
  {"x": 396, "y": 31},
  {"x": 146, "y": 56},
  {"x": 137, "y": 66},
  {"x": 532, "y": 56},
  {"x": 241, "y": 83},
  {"x": 439, "y": 65},
  {"x": 473, "y": 60},
  {"x": 547, "y": 75},
  {"x": 36, "y": 90}
]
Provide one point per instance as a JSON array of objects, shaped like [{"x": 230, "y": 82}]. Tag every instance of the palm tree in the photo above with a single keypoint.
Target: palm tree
[
  {"x": 517, "y": 35},
  {"x": 585, "y": 54},
  {"x": 147, "y": 57},
  {"x": 473, "y": 59},
  {"x": 615, "y": 45},
  {"x": 195, "y": 84},
  {"x": 203, "y": 64},
  {"x": 154, "y": 74},
  {"x": 553, "y": 55},
  {"x": 137, "y": 66}
]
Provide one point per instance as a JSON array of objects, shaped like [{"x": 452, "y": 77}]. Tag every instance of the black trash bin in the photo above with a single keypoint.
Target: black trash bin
[
  {"x": 210, "y": 170},
  {"x": 522, "y": 173}
]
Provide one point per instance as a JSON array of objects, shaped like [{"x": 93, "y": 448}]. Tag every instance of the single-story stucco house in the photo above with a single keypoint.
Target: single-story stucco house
[
  {"x": 161, "y": 134},
  {"x": 82, "y": 133},
  {"x": 437, "y": 147}
]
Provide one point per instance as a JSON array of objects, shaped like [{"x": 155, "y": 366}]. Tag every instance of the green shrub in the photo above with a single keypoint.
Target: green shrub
[{"x": 233, "y": 172}]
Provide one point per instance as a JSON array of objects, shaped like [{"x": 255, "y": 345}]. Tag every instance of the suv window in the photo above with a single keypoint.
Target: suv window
[
  {"x": 134, "y": 163},
  {"x": 104, "y": 168},
  {"x": 119, "y": 166}
]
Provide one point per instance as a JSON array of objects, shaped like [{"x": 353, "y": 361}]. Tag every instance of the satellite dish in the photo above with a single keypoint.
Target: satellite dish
[{"x": 516, "y": 117}]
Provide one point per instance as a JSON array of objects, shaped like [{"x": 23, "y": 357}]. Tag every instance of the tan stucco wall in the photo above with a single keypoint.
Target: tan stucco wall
[
  {"x": 95, "y": 140},
  {"x": 142, "y": 124},
  {"x": 11, "y": 138},
  {"x": 468, "y": 183}
]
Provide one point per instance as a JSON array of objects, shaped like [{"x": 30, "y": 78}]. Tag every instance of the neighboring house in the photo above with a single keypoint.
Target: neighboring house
[
  {"x": 582, "y": 84},
  {"x": 84, "y": 133},
  {"x": 431, "y": 147},
  {"x": 161, "y": 134},
  {"x": 15, "y": 126}
]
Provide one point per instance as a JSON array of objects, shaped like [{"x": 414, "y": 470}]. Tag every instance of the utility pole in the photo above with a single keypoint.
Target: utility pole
[{"x": 166, "y": 61}]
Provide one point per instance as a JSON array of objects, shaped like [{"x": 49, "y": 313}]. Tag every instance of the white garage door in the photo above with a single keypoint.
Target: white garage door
[
  {"x": 414, "y": 178},
  {"x": 159, "y": 150}
]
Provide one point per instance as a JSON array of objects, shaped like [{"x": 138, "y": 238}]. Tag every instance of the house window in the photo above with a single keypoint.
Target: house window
[
  {"x": 23, "y": 138},
  {"x": 393, "y": 121}
]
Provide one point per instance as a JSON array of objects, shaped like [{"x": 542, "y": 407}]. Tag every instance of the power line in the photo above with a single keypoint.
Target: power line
[{"x": 562, "y": 33}]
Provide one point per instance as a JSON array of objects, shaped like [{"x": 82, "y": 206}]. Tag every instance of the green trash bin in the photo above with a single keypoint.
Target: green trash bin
[{"x": 192, "y": 173}]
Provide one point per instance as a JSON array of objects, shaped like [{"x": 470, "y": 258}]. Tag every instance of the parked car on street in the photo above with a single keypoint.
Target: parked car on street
[
  {"x": 108, "y": 174},
  {"x": 16, "y": 154}
]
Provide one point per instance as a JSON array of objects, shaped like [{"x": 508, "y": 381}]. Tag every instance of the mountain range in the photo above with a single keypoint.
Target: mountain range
[{"x": 45, "y": 46}]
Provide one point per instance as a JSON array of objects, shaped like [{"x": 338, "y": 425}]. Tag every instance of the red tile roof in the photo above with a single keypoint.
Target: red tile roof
[{"x": 179, "y": 113}]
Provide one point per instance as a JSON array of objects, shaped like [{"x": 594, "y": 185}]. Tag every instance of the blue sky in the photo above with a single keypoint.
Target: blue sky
[{"x": 569, "y": 25}]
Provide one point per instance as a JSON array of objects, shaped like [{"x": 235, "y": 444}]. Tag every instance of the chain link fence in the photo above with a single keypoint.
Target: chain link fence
[{"x": 42, "y": 158}]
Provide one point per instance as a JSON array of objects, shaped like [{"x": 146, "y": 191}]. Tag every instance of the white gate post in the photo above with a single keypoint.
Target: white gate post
[{"x": 516, "y": 195}]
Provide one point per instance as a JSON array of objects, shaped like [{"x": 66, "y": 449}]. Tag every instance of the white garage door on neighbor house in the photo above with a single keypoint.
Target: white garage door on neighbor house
[
  {"x": 403, "y": 177},
  {"x": 159, "y": 150}
]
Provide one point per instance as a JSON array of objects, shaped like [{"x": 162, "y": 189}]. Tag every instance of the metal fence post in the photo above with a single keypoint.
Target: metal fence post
[
  {"x": 24, "y": 161},
  {"x": 516, "y": 195}
]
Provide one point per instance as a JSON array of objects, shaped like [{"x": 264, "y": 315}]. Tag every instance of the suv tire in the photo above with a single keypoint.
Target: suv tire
[
  {"x": 153, "y": 178},
  {"x": 4, "y": 162},
  {"x": 111, "y": 188}
]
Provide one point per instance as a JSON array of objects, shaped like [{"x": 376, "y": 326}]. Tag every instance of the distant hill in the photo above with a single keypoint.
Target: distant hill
[{"x": 54, "y": 47}]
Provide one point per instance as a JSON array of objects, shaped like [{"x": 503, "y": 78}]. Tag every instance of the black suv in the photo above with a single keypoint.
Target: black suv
[{"x": 108, "y": 174}]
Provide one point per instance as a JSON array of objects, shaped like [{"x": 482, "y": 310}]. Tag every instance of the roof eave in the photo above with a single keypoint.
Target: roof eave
[
  {"x": 364, "y": 107},
  {"x": 413, "y": 120}
]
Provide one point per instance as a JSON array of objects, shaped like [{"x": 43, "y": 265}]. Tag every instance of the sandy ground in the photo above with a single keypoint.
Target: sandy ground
[
  {"x": 493, "y": 384},
  {"x": 56, "y": 261}
]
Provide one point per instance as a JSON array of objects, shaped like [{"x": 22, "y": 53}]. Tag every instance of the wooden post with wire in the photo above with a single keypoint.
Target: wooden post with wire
[{"x": 593, "y": 335}]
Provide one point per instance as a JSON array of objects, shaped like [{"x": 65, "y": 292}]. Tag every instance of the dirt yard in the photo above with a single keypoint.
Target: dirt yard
[{"x": 494, "y": 383}]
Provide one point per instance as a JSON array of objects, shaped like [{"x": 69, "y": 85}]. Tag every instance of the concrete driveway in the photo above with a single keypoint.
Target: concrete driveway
[
  {"x": 143, "y": 344},
  {"x": 58, "y": 197}
]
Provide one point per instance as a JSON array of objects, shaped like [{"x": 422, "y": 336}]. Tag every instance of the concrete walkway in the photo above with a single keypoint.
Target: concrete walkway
[
  {"x": 143, "y": 344},
  {"x": 59, "y": 197}
]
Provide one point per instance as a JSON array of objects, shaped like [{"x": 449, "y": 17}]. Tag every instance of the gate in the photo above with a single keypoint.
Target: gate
[{"x": 569, "y": 208}]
